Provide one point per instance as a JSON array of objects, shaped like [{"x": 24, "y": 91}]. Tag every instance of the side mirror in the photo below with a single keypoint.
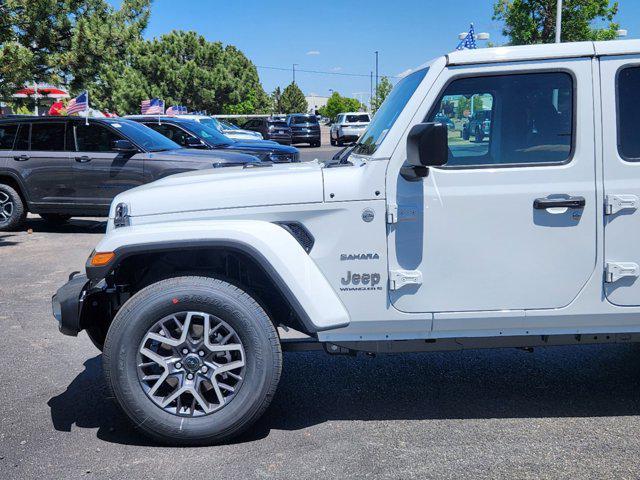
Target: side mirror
[
  {"x": 427, "y": 146},
  {"x": 124, "y": 146},
  {"x": 193, "y": 142}
]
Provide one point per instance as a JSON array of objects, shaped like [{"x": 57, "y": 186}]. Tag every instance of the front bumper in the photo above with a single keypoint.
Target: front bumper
[
  {"x": 67, "y": 304},
  {"x": 302, "y": 137}
]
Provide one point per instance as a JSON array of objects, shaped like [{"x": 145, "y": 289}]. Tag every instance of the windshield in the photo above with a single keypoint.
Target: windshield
[
  {"x": 278, "y": 124},
  {"x": 388, "y": 113},
  {"x": 143, "y": 136},
  {"x": 211, "y": 122},
  {"x": 301, "y": 119},
  {"x": 208, "y": 133},
  {"x": 229, "y": 126},
  {"x": 357, "y": 118}
]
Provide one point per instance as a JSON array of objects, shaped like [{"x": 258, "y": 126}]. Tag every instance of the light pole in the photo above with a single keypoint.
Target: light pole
[
  {"x": 376, "y": 72},
  {"x": 559, "y": 22},
  {"x": 294, "y": 72}
]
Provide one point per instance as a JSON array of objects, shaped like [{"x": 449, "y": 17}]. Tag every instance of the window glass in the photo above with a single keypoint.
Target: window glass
[
  {"x": 142, "y": 135},
  {"x": 171, "y": 132},
  {"x": 357, "y": 118},
  {"x": 48, "y": 137},
  {"x": 628, "y": 105},
  {"x": 509, "y": 119},
  {"x": 303, "y": 119},
  {"x": 94, "y": 138},
  {"x": 389, "y": 112},
  {"x": 7, "y": 136},
  {"x": 22, "y": 141}
]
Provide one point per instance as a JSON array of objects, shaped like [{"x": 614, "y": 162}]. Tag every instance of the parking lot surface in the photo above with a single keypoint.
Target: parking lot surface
[{"x": 563, "y": 412}]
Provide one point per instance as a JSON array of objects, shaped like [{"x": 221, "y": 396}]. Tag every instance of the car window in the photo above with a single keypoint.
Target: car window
[
  {"x": 509, "y": 119},
  {"x": 7, "y": 136},
  {"x": 22, "y": 140},
  {"x": 94, "y": 138},
  {"x": 143, "y": 136},
  {"x": 357, "y": 118},
  {"x": 303, "y": 119},
  {"x": 48, "y": 137},
  {"x": 628, "y": 104},
  {"x": 278, "y": 124},
  {"x": 172, "y": 132}
]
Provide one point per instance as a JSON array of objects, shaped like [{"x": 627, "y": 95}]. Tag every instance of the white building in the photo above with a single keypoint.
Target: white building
[{"x": 314, "y": 102}]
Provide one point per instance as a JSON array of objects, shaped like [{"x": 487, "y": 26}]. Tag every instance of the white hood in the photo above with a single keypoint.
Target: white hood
[{"x": 228, "y": 187}]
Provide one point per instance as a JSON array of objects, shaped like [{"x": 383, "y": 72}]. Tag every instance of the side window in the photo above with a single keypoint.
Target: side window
[
  {"x": 628, "y": 90},
  {"x": 7, "y": 136},
  {"x": 171, "y": 132},
  {"x": 508, "y": 119},
  {"x": 48, "y": 137},
  {"x": 94, "y": 138},
  {"x": 22, "y": 141}
]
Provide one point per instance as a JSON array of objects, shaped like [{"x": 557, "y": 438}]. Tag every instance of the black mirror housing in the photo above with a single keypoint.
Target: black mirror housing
[
  {"x": 427, "y": 145},
  {"x": 124, "y": 146},
  {"x": 193, "y": 142}
]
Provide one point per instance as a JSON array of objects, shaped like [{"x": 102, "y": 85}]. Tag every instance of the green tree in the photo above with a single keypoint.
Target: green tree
[
  {"x": 293, "y": 100},
  {"x": 384, "y": 89},
  {"x": 339, "y": 104},
  {"x": 64, "y": 42},
  {"x": 276, "y": 100},
  {"x": 534, "y": 21}
]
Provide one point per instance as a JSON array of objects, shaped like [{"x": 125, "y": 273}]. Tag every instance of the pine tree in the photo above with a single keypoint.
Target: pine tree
[{"x": 293, "y": 100}]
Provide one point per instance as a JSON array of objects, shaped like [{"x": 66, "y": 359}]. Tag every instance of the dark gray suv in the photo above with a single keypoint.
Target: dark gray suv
[{"x": 59, "y": 167}]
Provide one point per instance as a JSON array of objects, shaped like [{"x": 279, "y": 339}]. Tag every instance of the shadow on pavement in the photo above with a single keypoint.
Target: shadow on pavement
[
  {"x": 75, "y": 225},
  {"x": 591, "y": 381},
  {"x": 4, "y": 242}
]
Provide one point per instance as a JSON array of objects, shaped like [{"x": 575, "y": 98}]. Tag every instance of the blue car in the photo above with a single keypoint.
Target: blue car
[{"x": 192, "y": 134}]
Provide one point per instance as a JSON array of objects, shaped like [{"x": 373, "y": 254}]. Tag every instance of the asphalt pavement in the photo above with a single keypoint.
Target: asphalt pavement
[{"x": 561, "y": 412}]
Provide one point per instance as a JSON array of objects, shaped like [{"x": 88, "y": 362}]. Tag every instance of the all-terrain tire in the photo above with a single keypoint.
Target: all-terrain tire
[
  {"x": 262, "y": 352},
  {"x": 13, "y": 211}
]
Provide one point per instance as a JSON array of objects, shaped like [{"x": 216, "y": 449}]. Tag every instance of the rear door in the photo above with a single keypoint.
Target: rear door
[
  {"x": 46, "y": 167},
  {"x": 620, "y": 86},
  {"x": 100, "y": 172}
]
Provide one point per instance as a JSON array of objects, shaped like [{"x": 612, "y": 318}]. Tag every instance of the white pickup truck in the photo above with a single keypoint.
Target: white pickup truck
[{"x": 417, "y": 240}]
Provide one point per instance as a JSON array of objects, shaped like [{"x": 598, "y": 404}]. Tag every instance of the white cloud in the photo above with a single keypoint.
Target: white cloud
[
  {"x": 336, "y": 69},
  {"x": 313, "y": 52},
  {"x": 405, "y": 73}
]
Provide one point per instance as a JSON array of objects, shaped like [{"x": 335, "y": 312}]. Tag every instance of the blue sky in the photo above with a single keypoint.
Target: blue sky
[{"x": 338, "y": 36}]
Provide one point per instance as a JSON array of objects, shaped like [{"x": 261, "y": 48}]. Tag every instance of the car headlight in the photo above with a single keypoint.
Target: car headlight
[
  {"x": 282, "y": 157},
  {"x": 121, "y": 217}
]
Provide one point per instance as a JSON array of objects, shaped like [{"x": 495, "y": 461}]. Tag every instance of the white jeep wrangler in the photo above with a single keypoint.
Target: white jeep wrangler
[{"x": 418, "y": 240}]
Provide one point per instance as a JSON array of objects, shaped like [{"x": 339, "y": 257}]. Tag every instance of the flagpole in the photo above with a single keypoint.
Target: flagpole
[
  {"x": 160, "y": 110},
  {"x": 86, "y": 110}
]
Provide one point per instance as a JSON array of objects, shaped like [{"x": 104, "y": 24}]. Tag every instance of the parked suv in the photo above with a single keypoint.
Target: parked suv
[
  {"x": 479, "y": 125},
  {"x": 60, "y": 167},
  {"x": 348, "y": 127},
  {"x": 190, "y": 134},
  {"x": 304, "y": 129},
  {"x": 413, "y": 240},
  {"x": 270, "y": 129}
]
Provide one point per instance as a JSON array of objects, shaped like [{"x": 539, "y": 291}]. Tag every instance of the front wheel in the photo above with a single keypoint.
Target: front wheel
[
  {"x": 192, "y": 360},
  {"x": 12, "y": 209}
]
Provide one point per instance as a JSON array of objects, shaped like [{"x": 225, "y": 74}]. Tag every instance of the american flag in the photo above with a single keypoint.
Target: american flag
[
  {"x": 469, "y": 41},
  {"x": 155, "y": 106},
  {"x": 78, "y": 104},
  {"x": 176, "y": 110}
]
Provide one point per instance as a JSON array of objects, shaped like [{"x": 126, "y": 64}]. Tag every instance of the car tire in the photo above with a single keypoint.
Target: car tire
[
  {"x": 479, "y": 136},
  {"x": 255, "y": 340},
  {"x": 339, "y": 142},
  {"x": 332, "y": 141},
  {"x": 12, "y": 209},
  {"x": 465, "y": 133},
  {"x": 55, "y": 218}
]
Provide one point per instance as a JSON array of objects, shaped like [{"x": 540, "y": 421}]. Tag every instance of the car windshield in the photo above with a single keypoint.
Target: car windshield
[
  {"x": 211, "y": 122},
  {"x": 303, "y": 119},
  {"x": 229, "y": 126},
  {"x": 143, "y": 136},
  {"x": 278, "y": 124},
  {"x": 357, "y": 118},
  {"x": 389, "y": 112},
  {"x": 208, "y": 133}
]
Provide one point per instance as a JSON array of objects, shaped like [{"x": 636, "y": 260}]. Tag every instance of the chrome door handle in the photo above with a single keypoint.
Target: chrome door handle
[
  {"x": 21, "y": 158},
  {"x": 83, "y": 159}
]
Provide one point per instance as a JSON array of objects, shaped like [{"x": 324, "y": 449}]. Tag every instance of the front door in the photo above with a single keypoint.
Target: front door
[
  {"x": 620, "y": 80},
  {"x": 100, "y": 172},
  {"x": 510, "y": 222}
]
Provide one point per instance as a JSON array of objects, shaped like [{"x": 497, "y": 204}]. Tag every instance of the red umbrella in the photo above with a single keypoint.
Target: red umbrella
[{"x": 43, "y": 91}]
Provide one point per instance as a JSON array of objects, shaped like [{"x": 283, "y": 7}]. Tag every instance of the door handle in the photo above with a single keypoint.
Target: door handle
[
  {"x": 21, "y": 158},
  {"x": 83, "y": 159},
  {"x": 571, "y": 202}
]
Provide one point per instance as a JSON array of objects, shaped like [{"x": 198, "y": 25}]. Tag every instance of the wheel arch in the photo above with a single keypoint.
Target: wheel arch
[{"x": 15, "y": 182}]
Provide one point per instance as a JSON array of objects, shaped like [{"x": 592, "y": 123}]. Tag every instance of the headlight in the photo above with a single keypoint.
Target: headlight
[
  {"x": 282, "y": 157},
  {"x": 121, "y": 217}
]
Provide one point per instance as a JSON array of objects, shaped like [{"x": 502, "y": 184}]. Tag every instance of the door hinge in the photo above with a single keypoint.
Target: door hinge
[
  {"x": 400, "y": 278},
  {"x": 614, "y": 271},
  {"x": 614, "y": 203},
  {"x": 397, "y": 213}
]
